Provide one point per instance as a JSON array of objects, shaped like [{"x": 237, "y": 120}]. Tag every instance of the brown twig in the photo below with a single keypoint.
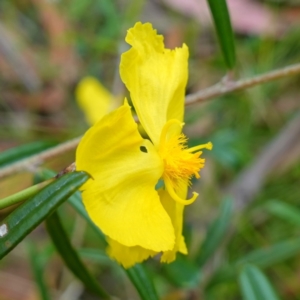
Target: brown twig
[
  {"x": 222, "y": 88},
  {"x": 250, "y": 181},
  {"x": 227, "y": 86},
  {"x": 39, "y": 158}
]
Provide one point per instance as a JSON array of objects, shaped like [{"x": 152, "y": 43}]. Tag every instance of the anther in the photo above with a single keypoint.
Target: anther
[{"x": 207, "y": 146}]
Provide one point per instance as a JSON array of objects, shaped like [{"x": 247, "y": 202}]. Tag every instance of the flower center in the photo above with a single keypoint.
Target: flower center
[{"x": 180, "y": 163}]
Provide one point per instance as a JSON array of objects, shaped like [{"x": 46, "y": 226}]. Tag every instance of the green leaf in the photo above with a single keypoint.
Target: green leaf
[
  {"x": 14, "y": 154},
  {"x": 23, "y": 195},
  {"x": 137, "y": 274},
  {"x": 143, "y": 282},
  {"x": 38, "y": 271},
  {"x": 215, "y": 233},
  {"x": 97, "y": 255},
  {"x": 220, "y": 14},
  {"x": 75, "y": 201},
  {"x": 255, "y": 285},
  {"x": 70, "y": 256},
  {"x": 264, "y": 258},
  {"x": 284, "y": 211},
  {"x": 274, "y": 254},
  {"x": 182, "y": 272},
  {"x": 27, "y": 216}
]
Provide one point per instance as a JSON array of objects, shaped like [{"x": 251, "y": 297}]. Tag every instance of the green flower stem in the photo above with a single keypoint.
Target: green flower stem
[{"x": 23, "y": 195}]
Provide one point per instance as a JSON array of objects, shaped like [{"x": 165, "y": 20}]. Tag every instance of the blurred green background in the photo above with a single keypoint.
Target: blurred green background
[{"x": 249, "y": 189}]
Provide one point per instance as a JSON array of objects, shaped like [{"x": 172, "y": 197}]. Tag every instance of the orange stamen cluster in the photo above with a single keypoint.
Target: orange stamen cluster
[{"x": 180, "y": 162}]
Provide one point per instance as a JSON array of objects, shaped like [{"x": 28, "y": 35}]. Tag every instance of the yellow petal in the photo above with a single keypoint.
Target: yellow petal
[
  {"x": 93, "y": 99},
  {"x": 156, "y": 78},
  {"x": 128, "y": 256},
  {"x": 121, "y": 199},
  {"x": 182, "y": 246},
  {"x": 175, "y": 211}
]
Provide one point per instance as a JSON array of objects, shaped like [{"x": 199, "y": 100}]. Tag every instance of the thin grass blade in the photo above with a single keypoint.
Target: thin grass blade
[
  {"x": 137, "y": 274},
  {"x": 215, "y": 233},
  {"x": 255, "y": 285},
  {"x": 221, "y": 17},
  {"x": 70, "y": 257},
  {"x": 12, "y": 155},
  {"x": 284, "y": 211},
  {"x": 265, "y": 257},
  {"x": 142, "y": 282},
  {"x": 38, "y": 271},
  {"x": 274, "y": 254}
]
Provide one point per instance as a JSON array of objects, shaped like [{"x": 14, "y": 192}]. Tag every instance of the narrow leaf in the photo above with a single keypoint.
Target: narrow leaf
[
  {"x": 255, "y": 285},
  {"x": 17, "y": 153},
  {"x": 96, "y": 255},
  {"x": 70, "y": 256},
  {"x": 264, "y": 258},
  {"x": 182, "y": 272},
  {"x": 215, "y": 233},
  {"x": 284, "y": 211},
  {"x": 27, "y": 216},
  {"x": 143, "y": 282},
  {"x": 38, "y": 271},
  {"x": 274, "y": 254},
  {"x": 23, "y": 194},
  {"x": 75, "y": 201},
  {"x": 137, "y": 274},
  {"x": 222, "y": 23}
]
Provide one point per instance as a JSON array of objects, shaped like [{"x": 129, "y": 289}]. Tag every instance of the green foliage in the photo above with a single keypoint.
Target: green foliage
[
  {"x": 14, "y": 154},
  {"x": 266, "y": 257},
  {"x": 271, "y": 255},
  {"x": 240, "y": 125},
  {"x": 143, "y": 282},
  {"x": 284, "y": 211},
  {"x": 137, "y": 274},
  {"x": 222, "y": 22},
  {"x": 37, "y": 267},
  {"x": 30, "y": 214},
  {"x": 215, "y": 233},
  {"x": 183, "y": 272},
  {"x": 255, "y": 285},
  {"x": 70, "y": 256},
  {"x": 75, "y": 201}
]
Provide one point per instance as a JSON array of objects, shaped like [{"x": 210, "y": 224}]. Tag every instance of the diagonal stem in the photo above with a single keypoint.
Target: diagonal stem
[
  {"x": 39, "y": 158},
  {"x": 23, "y": 195},
  {"x": 227, "y": 87},
  {"x": 203, "y": 95}
]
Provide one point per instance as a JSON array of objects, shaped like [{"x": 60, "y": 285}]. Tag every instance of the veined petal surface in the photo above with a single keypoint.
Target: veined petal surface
[
  {"x": 128, "y": 256},
  {"x": 121, "y": 199},
  {"x": 156, "y": 78}
]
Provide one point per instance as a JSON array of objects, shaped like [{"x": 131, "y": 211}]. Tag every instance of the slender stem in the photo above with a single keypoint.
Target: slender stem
[
  {"x": 28, "y": 163},
  {"x": 224, "y": 87},
  {"x": 23, "y": 195},
  {"x": 227, "y": 86}
]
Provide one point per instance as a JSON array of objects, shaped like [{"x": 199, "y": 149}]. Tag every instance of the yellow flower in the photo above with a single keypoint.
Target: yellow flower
[
  {"x": 94, "y": 99},
  {"x": 138, "y": 220}
]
